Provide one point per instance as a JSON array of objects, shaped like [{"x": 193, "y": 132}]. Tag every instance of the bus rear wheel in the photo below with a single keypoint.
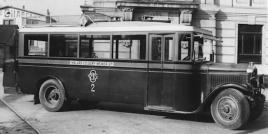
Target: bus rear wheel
[
  {"x": 230, "y": 109},
  {"x": 52, "y": 95}
]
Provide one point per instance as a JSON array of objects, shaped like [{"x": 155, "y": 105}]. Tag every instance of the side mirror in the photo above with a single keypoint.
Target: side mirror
[
  {"x": 212, "y": 56},
  {"x": 3, "y": 67}
]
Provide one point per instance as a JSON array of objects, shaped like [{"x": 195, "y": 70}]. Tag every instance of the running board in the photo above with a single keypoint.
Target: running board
[
  {"x": 11, "y": 90},
  {"x": 159, "y": 108},
  {"x": 167, "y": 109}
]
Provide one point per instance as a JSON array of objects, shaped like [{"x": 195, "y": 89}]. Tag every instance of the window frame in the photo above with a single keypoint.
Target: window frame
[
  {"x": 240, "y": 45},
  {"x": 77, "y": 45},
  {"x": 92, "y": 34},
  {"x": 9, "y": 21},
  {"x": 21, "y": 48},
  {"x": 111, "y": 34},
  {"x": 177, "y": 47},
  {"x": 126, "y": 34}
]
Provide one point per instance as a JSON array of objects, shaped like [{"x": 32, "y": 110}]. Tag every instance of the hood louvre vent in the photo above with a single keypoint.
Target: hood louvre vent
[{"x": 219, "y": 79}]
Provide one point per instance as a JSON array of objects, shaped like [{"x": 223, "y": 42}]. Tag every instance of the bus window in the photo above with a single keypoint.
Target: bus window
[
  {"x": 132, "y": 47},
  {"x": 184, "y": 47},
  {"x": 198, "y": 46},
  {"x": 35, "y": 45},
  {"x": 168, "y": 48},
  {"x": 63, "y": 45},
  {"x": 156, "y": 48},
  {"x": 95, "y": 46}
]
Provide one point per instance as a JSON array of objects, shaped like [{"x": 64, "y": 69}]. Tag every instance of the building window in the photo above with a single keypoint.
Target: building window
[
  {"x": 8, "y": 22},
  {"x": 249, "y": 43}
]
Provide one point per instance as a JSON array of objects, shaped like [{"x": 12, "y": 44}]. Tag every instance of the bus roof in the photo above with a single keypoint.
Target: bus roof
[{"x": 130, "y": 26}]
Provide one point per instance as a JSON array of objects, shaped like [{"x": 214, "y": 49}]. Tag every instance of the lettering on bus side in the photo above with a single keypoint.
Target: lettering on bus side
[
  {"x": 93, "y": 76},
  {"x": 91, "y": 63}
]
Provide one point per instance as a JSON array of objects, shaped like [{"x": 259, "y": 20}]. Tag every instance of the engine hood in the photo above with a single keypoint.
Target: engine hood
[{"x": 228, "y": 67}]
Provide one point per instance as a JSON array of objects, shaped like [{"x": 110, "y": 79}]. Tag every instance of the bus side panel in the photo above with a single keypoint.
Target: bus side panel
[
  {"x": 128, "y": 86},
  {"x": 187, "y": 95},
  {"x": 89, "y": 83},
  {"x": 8, "y": 44},
  {"x": 75, "y": 79},
  {"x": 28, "y": 77}
]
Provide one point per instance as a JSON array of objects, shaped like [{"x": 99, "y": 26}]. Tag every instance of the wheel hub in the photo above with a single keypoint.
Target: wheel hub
[
  {"x": 227, "y": 109},
  {"x": 52, "y": 96}
]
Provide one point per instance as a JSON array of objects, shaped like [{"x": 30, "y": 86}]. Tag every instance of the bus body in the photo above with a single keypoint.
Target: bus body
[{"x": 163, "y": 67}]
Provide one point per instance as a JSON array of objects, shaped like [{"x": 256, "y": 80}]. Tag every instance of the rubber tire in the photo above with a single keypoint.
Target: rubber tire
[
  {"x": 243, "y": 109},
  {"x": 257, "y": 110},
  {"x": 62, "y": 97}
]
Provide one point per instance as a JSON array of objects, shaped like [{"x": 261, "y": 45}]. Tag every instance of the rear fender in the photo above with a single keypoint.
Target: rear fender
[{"x": 40, "y": 82}]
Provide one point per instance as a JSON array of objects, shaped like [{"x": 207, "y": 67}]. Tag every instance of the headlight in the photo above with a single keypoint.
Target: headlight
[
  {"x": 252, "y": 73},
  {"x": 251, "y": 67},
  {"x": 261, "y": 80}
]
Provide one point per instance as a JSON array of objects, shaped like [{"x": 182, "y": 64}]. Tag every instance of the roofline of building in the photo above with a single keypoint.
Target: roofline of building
[{"x": 1, "y": 8}]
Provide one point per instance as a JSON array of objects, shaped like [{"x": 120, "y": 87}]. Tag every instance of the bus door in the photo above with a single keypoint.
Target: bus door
[
  {"x": 9, "y": 39},
  {"x": 160, "y": 90}
]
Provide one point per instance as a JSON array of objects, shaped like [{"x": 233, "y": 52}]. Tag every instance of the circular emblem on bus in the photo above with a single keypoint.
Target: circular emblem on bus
[{"x": 93, "y": 76}]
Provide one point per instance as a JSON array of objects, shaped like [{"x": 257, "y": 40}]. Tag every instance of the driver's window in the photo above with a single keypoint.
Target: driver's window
[
  {"x": 198, "y": 46},
  {"x": 184, "y": 47},
  {"x": 202, "y": 47},
  {"x": 207, "y": 49}
]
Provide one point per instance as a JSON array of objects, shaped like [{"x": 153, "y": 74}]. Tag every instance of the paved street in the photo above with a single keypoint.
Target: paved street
[
  {"x": 10, "y": 123},
  {"x": 119, "y": 119}
]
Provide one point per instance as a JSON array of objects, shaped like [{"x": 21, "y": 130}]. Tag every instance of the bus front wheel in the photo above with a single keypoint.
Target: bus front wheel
[
  {"x": 230, "y": 109},
  {"x": 52, "y": 95}
]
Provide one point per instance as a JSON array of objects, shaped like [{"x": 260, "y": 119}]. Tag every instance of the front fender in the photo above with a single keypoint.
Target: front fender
[{"x": 208, "y": 100}]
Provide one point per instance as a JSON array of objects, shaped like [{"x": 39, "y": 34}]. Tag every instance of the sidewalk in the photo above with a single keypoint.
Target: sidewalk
[{"x": 11, "y": 124}]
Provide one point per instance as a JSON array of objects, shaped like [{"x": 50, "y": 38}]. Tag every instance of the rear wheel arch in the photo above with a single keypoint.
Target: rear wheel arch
[{"x": 41, "y": 81}]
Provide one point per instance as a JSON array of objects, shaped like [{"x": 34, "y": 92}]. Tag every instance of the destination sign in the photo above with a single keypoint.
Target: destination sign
[{"x": 91, "y": 63}]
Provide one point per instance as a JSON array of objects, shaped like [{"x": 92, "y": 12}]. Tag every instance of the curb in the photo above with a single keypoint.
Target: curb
[{"x": 19, "y": 115}]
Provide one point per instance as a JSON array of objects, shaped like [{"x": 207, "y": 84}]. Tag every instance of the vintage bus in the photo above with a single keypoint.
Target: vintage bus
[{"x": 164, "y": 67}]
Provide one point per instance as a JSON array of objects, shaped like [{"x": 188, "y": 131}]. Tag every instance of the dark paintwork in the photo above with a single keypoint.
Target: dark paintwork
[
  {"x": 227, "y": 67},
  {"x": 175, "y": 87},
  {"x": 8, "y": 41}
]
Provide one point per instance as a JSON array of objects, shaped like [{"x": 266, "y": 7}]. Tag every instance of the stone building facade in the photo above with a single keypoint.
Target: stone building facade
[
  {"x": 10, "y": 15},
  {"x": 241, "y": 25}
]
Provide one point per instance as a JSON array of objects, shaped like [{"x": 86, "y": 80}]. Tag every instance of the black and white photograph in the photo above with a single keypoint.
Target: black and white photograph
[{"x": 133, "y": 67}]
